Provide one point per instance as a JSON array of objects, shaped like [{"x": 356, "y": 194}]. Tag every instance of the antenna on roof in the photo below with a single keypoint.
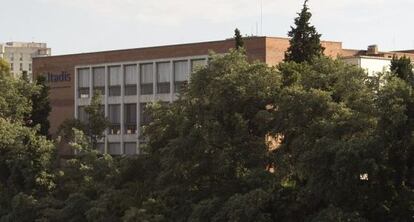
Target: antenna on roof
[{"x": 261, "y": 17}]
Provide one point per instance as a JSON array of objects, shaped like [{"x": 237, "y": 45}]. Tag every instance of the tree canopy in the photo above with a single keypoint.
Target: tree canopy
[
  {"x": 41, "y": 107},
  {"x": 402, "y": 67},
  {"x": 310, "y": 141},
  {"x": 238, "y": 38},
  {"x": 305, "y": 40}
]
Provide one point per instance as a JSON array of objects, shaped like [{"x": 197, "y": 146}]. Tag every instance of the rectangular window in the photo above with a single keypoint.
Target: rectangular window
[
  {"x": 114, "y": 114},
  {"x": 21, "y": 66},
  {"x": 181, "y": 74},
  {"x": 147, "y": 79},
  {"x": 83, "y": 83},
  {"x": 30, "y": 66},
  {"x": 11, "y": 66},
  {"x": 82, "y": 115},
  {"x": 99, "y": 79},
  {"x": 163, "y": 77},
  {"x": 21, "y": 56},
  {"x": 114, "y": 149},
  {"x": 197, "y": 64},
  {"x": 100, "y": 147},
  {"x": 11, "y": 57},
  {"x": 131, "y": 80},
  {"x": 130, "y": 118},
  {"x": 115, "y": 81},
  {"x": 130, "y": 148}
]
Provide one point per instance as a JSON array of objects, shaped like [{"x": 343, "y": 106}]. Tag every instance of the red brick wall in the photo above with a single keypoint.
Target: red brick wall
[
  {"x": 276, "y": 48},
  {"x": 62, "y": 93},
  {"x": 265, "y": 49}
]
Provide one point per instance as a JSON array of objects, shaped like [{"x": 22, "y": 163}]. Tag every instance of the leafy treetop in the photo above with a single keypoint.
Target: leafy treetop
[{"x": 305, "y": 41}]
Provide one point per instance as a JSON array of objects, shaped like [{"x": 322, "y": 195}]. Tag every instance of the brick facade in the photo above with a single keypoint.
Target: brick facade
[{"x": 265, "y": 49}]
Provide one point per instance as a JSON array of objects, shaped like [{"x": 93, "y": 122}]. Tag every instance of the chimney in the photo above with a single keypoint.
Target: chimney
[{"x": 372, "y": 50}]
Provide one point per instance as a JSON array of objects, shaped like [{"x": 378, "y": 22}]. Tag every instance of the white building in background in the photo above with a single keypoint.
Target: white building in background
[
  {"x": 373, "y": 61},
  {"x": 20, "y": 55},
  {"x": 371, "y": 64}
]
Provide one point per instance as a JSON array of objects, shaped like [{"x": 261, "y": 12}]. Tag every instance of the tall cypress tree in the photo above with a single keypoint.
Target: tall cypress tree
[
  {"x": 41, "y": 107},
  {"x": 305, "y": 40},
  {"x": 238, "y": 39}
]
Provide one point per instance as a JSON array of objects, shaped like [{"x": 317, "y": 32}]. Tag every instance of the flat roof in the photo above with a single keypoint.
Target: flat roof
[{"x": 176, "y": 45}]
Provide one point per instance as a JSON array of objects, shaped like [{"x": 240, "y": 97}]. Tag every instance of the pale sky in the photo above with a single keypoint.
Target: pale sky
[{"x": 74, "y": 26}]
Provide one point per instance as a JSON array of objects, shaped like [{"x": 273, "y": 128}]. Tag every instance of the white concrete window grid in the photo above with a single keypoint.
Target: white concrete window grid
[{"x": 125, "y": 139}]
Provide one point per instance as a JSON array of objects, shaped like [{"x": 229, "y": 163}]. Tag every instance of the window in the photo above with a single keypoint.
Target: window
[
  {"x": 130, "y": 118},
  {"x": 163, "y": 77},
  {"x": 82, "y": 115},
  {"x": 100, "y": 147},
  {"x": 131, "y": 80},
  {"x": 145, "y": 118},
  {"x": 180, "y": 74},
  {"x": 114, "y": 149},
  {"x": 99, "y": 79},
  {"x": 114, "y": 114},
  {"x": 197, "y": 64},
  {"x": 130, "y": 148},
  {"x": 115, "y": 81},
  {"x": 11, "y": 66},
  {"x": 21, "y": 56},
  {"x": 30, "y": 66},
  {"x": 147, "y": 79},
  {"x": 83, "y": 83},
  {"x": 21, "y": 66},
  {"x": 11, "y": 57}
]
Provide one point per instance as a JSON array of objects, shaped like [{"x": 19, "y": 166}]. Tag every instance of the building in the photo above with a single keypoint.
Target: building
[
  {"x": 20, "y": 55},
  {"x": 130, "y": 78},
  {"x": 373, "y": 61}
]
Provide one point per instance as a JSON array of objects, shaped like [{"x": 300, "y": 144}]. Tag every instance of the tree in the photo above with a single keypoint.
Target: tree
[
  {"x": 325, "y": 120},
  {"x": 41, "y": 107},
  {"x": 15, "y": 95},
  {"x": 97, "y": 122},
  {"x": 95, "y": 125},
  {"x": 26, "y": 157},
  {"x": 305, "y": 41},
  {"x": 238, "y": 39},
  {"x": 396, "y": 146},
  {"x": 402, "y": 68},
  {"x": 211, "y": 142}
]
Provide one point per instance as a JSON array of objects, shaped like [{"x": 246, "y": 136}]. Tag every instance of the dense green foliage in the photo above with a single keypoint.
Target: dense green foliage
[
  {"x": 238, "y": 38},
  {"x": 25, "y": 157},
  {"x": 41, "y": 107},
  {"x": 311, "y": 141},
  {"x": 403, "y": 68},
  {"x": 95, "y": 125},
  {"x": 305, "y": 41}
]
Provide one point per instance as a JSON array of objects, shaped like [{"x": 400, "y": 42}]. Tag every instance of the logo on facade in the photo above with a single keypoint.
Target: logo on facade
[{"x": 62, "y": 77}]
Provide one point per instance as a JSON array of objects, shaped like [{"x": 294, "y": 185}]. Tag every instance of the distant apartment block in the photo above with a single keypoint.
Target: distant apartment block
[{"x": 20, "y": 55}]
